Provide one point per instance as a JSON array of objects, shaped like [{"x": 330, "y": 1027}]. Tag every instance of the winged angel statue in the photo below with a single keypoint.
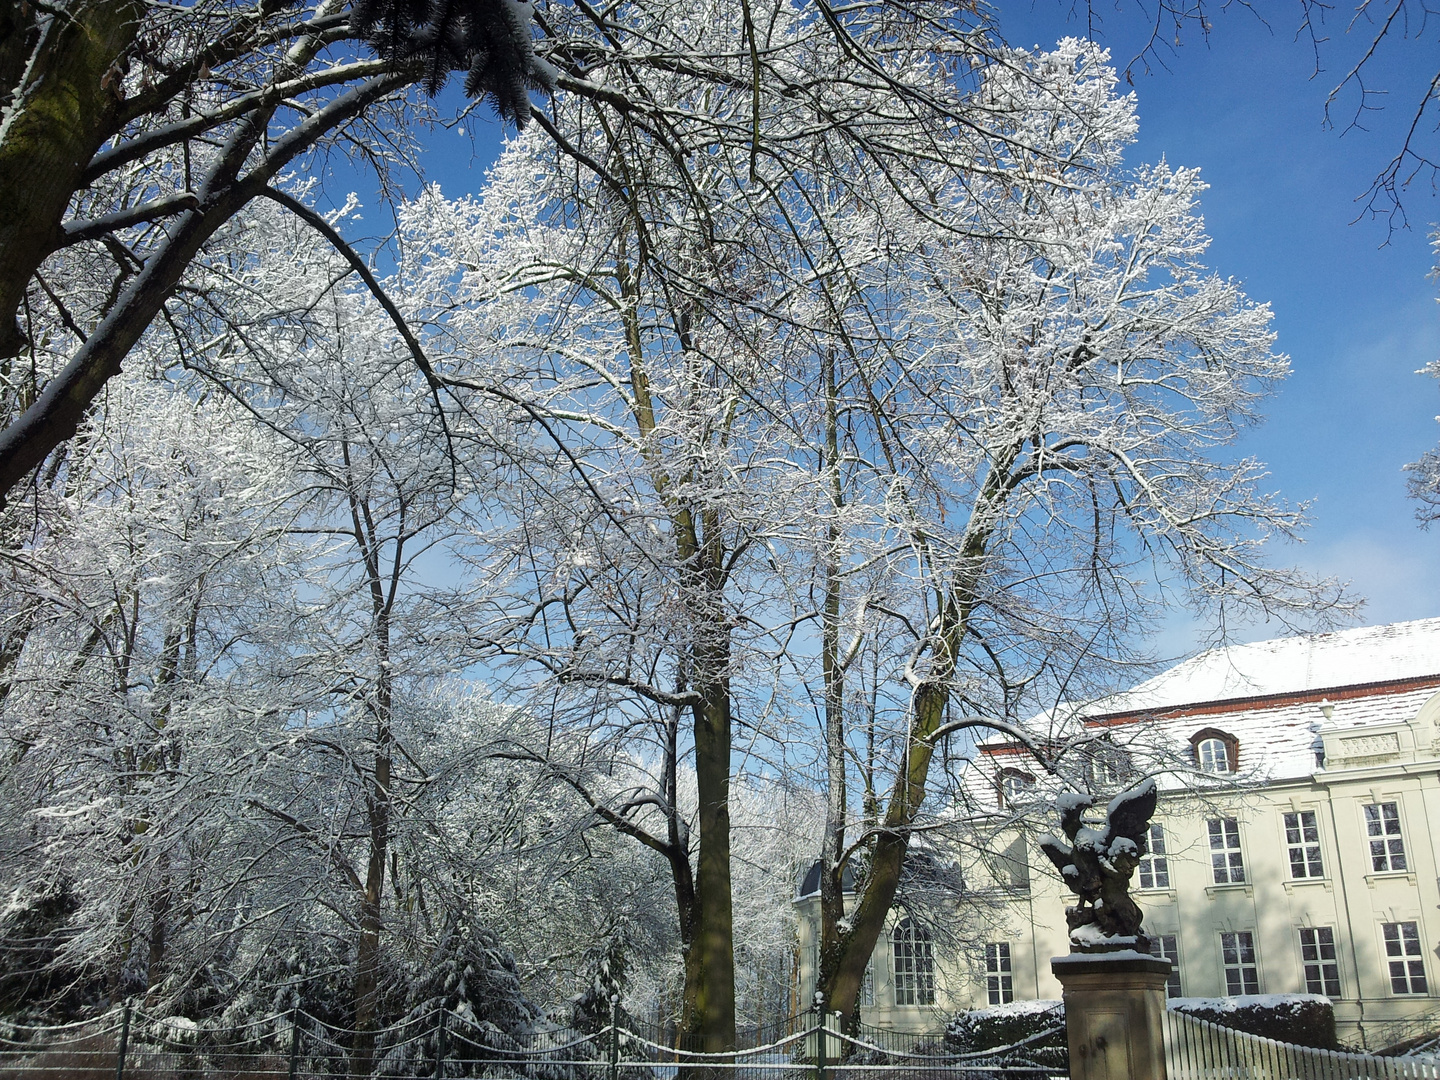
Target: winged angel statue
[{"x": 1097, "y": 864}]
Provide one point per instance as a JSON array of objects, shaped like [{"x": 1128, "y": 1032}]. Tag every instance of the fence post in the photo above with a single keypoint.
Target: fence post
[
  {"x": 821, "y": 1035},
  {"x": 440, "y": 1045},
  {"x": 614, "y": 1069},
  {"x": 294, "y": 1041},
  {"x": 124, "y": 1042}
]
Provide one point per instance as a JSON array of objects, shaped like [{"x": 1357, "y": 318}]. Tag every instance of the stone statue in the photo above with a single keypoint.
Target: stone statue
[{"x": 1097, "y": 864}]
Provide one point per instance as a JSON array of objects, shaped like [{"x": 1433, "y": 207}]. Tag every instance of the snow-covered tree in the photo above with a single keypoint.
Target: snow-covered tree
[
  {"x": 217, "y": 620},
  {"x": 132, "y": 132},
  {"x": 174, "y": 119},
  {"x": 963, "y": 422},
  {"x": 138, "y": 612},
  {"x": 628, "y": 333},
  {"x": 1034, "y": 411}
]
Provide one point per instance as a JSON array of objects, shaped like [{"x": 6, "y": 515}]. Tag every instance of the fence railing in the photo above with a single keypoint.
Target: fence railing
[
  {"x": 132, "y": 1045},
  {"x": 1197, "y": 1049}
]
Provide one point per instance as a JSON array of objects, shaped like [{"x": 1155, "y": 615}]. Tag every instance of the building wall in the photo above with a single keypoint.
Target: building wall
[{"x": 1397, "y": 761}]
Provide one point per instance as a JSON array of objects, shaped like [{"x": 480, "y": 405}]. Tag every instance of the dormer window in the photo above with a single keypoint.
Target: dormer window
[
  {"x": 1108, "y": 765},
  {"x": 1015, "y": 786},
  {"x": 1213, "y": 755},
  {"x": 1215, "y": 751}
]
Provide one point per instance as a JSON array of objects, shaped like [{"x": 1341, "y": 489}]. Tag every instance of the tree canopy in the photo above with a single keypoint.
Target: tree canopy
[{"x": 807, "y": 390}]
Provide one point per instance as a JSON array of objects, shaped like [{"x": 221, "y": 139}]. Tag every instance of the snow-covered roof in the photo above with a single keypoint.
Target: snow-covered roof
[
  {"x": 1278, "y": 741},
  {"x": 810, "y": 886},
  {"x": 1273, "y": 698},
  {"x": 1364, "y": 655}
]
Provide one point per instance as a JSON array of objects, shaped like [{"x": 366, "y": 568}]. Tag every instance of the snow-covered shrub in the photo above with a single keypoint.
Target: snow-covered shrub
[
  {"x": 471, "y": 976},
  {"x": 1305, "y": 1019},
  {"x": 37, "y": 984},
  {"x": 1008, "y": 1025},
  {"x": 590, "y": 1010},
  {"x": 312, "y": 972},
  {"x": 470, "y": 973}
]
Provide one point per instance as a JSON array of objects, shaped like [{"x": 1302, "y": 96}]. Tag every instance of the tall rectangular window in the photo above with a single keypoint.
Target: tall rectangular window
[
  {"x": 1225, "y": 859},
  {"x": 1155, "y": 867},
  {"x": 1402, "y": 953},
  {"x": 999, "y": 983},
  {"x": 1317, "y": 957},
  {"x": 914, "y": 964},
  {"x": 1167, "y": 947},
  {"x": 1387, "y": 847},
  {"x": 1302, "y": 840},
  {"x": 1242, "y": 972},
  {"x": 867, "y": 988}
]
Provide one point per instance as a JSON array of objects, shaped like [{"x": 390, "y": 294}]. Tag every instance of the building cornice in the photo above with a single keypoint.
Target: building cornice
[{"x": 1266, "y": 701}]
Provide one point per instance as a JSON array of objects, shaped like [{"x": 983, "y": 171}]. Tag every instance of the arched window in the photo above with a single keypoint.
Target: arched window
[
  {"x": 1215, "y": 751},
  {"x": 913, "y": 960},
  {"x": 1015, "y": 786}
]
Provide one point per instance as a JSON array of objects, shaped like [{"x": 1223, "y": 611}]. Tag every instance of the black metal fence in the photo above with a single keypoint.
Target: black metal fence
[{"x": 129, "y": 1044}]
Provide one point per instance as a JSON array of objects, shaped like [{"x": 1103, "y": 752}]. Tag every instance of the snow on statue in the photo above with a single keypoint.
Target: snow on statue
[{"x": 1097, "y": 864}]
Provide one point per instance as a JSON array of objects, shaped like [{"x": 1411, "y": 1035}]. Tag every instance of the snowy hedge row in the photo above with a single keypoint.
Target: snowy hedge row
[{"x": 1306, "y": 1019}]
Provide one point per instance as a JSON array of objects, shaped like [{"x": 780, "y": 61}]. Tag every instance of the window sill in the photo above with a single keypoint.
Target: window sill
[
  {"x": 1243, "y": 887},
  {"x": 1407, "y": 876},
  {"x": 1159, "y": 894},
  {"x": 1291, "y": 884}
]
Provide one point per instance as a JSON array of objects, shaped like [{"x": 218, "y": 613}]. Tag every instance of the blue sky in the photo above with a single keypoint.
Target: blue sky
[
  {"x": 1356, "y": 314},
  {"x": 1354, "y": 307}
]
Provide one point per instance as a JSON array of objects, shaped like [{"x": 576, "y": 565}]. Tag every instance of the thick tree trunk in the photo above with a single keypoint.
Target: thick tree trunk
[
  {"x": 708, "y": 1008},
  {"x": 710, "y": 962},
  {"x": 160, "y": 903},
  {"x": 57, "y": 412},
  {"x": 367, "y": 951},
  {"x": 872, "y": 910},
  {"x": 161, "y": 759},
  {"x": 62, "y": 109},
  {"x": 377, "y": 813}
]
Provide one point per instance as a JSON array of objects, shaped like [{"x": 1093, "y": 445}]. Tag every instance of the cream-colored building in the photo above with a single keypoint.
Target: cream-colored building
[{"x": 1299, "y": 855}]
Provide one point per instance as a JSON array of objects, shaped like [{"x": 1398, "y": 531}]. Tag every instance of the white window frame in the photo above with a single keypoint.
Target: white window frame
[
  {"x": 1321, "y": 972},
  {"x": 1404, "y": 959},
  {"x": 1016, "y": 786},
  {"x": 1240, "y": 966},
  {"x": 1211, "y": 761},
  {"x": 1387, "y": 843},
  {"x": 1167, "y": 947},
  {"x": 1108, "y": 765},
  {"x": 1227, "y": 861},
  {"x": 1303, "y": 845},
  {"x": 912, "y": 963},
  {"x": 999, "y": 973},
  {"x": 1156, "y": 864}
]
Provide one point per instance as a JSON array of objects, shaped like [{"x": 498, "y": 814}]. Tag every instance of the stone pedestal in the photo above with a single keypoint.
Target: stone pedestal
[{"x": 1114, "y": 1003}]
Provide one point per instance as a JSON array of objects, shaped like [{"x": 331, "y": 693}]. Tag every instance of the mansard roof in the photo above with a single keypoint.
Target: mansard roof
[
  {"x": 1304, "y": 666},
  {"x": 1291, "y": 704}
]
